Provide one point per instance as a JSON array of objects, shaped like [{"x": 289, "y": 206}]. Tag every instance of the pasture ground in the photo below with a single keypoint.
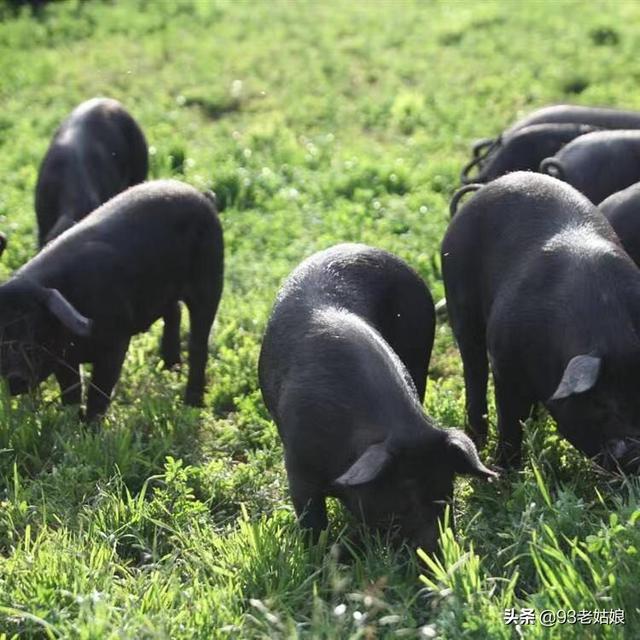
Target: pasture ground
[{"x": 315, "y": 123}]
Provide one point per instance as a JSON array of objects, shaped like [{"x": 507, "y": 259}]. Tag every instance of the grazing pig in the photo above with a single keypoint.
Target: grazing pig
[
  {"x": 596, "y": 117},
  {"x": 598, "y": 164},
  {"x": 622, "y": 209},
  {"x": 110, "y": 276},
  {"x": 523, "y": 150},
  {"x": 535, "y": 276},
  {"x": 97, "y": 152},
  {"x": 342, "y": 371}
]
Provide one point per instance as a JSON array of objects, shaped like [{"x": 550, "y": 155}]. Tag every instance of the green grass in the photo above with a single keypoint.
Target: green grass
[{"x": 315, "y": 123}]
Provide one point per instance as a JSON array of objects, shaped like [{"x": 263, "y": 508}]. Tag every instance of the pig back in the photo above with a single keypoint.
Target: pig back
[
  {"x": 144, "y": 248},
  {"x": 371, "y": 283},
  {"x": 604, "y": 117}
]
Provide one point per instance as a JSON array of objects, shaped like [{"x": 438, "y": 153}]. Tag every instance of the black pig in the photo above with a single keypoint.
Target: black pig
[
  {"x": 622, "y": 209},
  {"x": 524, "y": 149},
  {"x": 598, "y": 164},
  {"x": 535, "y": 276},
  {"x": 97, "y": 152},
  {"x": 596, "y": 117},
  {"x": 342, "y": 371},
  {"x": 110, "y": 276},
  {"x": 601, "y": 117}
]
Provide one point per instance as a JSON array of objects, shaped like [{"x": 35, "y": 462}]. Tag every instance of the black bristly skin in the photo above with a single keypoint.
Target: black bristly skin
[
  {"x": 536, "y": 277},
  {"x": 524, "y": 149},
  {"x": 343, "y": 372},
  {"x": 97, "y": 152},
  {"x": 599, "y": 117},
  {"x": 599, "y": 163},
  {"x": 622, "y": 210},
  {"x": 115, "y": 272},
  {"x": 486, "y": 151}
]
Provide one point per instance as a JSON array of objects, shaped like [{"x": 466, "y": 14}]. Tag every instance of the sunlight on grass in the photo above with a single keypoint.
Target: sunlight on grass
[{"x": 314, "y": 123}]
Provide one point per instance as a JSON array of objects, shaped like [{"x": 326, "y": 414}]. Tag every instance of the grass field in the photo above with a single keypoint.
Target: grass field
[{"x": 315, "y": 123}]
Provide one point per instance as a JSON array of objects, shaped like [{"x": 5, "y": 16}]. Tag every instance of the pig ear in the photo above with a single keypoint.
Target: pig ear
[
  {"x": 3, "y": 243},
  {"x": 464, "y": 456},
  {"x": 580, "y": 375},
  {"x": 62, "y": 309},
  {"x": 367, "y": 467}
]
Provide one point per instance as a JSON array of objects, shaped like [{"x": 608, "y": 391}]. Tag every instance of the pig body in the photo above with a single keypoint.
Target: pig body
[
  {"x": 96, "y": 153},
  {"x": 535, "y": 277},
  {"x": 484, "y": 151},
  {"x": 598, "y": 164},
  {"x": 109, "y": 277},
  {"x": 342, "y": 371},
  {"x": 600, "y": 117},
  {"x": 622, "y": 209},
  {"x": 523, "y": 150}
]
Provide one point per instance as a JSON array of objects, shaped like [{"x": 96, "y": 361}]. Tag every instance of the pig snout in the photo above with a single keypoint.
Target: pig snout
[
  {"x": 424, "y": 535},
  {"x": 425, "y": 532}
]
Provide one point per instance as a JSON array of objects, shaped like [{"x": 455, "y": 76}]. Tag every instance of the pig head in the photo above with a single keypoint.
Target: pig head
[
  {"x": 406, "y": 485},
  {"x": 595, "y": 409},
  {"x": 36, "y": 326}
]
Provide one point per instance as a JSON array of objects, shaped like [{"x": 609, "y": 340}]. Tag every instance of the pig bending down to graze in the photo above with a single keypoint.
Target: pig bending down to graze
[
  {"x": 597, "y": 117},
  {"x": 523, "y": 150},
  {"x": 622, "y": 210},
  {"x": 97, "y": 152},
  {"x": 110, "y": 276},
  {"x": 343, "y": 370},
  {"x": 535, "y": 276},
  {"x": 598, "y": 164}
]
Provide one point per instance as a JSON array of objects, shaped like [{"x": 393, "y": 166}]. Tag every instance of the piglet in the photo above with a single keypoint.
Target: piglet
[
  {"x": 598, "y": 164},
  {"x": 490, "y": 150},
  {"x": 107, "y": 278},
  {"x": 538, "y": 285},
  {"x": 97, "y": 152},
  {"x": 342, "y": 370},
  {"x": 523, "y": 150}
]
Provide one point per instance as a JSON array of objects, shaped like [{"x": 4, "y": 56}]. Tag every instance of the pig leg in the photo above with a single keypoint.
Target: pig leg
[
  {"x": 310, "y": 508},
  {"x": 68, "y": 376},
  {"x": 170, "y": 345},
  {"x": 106, "y": 371},
  {"x": 476, "y": 374},
  {"x": 513, "y": 409},
  {"x": 200, "y": 319},
  {"x": 202, "y": 304}
]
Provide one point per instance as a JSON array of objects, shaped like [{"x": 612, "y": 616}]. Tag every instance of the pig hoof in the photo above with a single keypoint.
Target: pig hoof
[{"x": 170, "y": 356}]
